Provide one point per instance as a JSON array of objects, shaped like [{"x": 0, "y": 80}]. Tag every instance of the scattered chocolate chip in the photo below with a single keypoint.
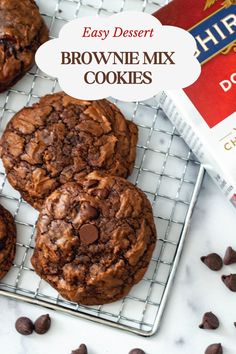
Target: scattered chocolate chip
[
  {"x": 81, "y": 350},
  {"x": 234, "y": 324},
  {"x": 214, "y": 349},
  {"x": 24, "y": 326},
  {"x": 136, "y": 351},
  {"x": 88, "y": 212},
  {"x": 88, "y": 234},
  {"x": 60, "y": 11},
  {"x": 230, "y": 281},
  {"x": 209, "y": 321},
  {"x": 42, "y": 324},
  {"x": 230, "y": 256},
  {"x": 213, "y": 261}
]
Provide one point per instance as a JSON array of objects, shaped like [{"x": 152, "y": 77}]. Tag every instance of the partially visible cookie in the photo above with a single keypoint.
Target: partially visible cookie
[
  {"x": 7, "y": 241},
  {"x": 60, "y": 139},
  {"x": 95, "y": 239},
  {"x": 22, "y": 31}
]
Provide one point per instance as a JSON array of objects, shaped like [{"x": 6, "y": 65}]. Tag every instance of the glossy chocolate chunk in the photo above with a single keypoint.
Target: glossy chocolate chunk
[
  {"x": 213, "y": 261},
  {"x": 230, "y": 256},
  {"x": 88, "y": 234},
  {"x": 214, "y": 349},
  {"x": 209, "y": 321},
  {"x": 230, "y": 281}
]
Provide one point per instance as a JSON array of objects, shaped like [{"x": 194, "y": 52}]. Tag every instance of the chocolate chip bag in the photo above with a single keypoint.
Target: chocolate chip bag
[{"x": 204, "y": 113}]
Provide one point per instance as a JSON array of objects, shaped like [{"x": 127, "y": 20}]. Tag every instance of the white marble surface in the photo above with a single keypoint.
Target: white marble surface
[{"x": 195, "y": 291}]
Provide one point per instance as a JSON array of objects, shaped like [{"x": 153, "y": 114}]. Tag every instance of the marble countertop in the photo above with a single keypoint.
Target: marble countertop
[{"x": 196, "y": 290}]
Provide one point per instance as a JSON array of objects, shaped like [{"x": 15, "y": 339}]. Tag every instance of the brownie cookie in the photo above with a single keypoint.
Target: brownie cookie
[
  {"x": 22, "y": 31},
  {"x": 7, "y": 241},
  {"x": 95, "y": 239},
  {"x": 61, "y": 139}
]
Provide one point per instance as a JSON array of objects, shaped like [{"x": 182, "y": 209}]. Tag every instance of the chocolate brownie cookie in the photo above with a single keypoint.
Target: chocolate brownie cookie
[
  {"x": 60, "y": 139},
  {"x": 22, "y": 31},
  {"x": 7, "y": 241},
  {"x": 95, "y": 238}
]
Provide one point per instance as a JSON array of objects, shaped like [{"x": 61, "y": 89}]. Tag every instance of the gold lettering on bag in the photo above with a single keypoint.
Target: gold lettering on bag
[{"x": 226, "y": 3}]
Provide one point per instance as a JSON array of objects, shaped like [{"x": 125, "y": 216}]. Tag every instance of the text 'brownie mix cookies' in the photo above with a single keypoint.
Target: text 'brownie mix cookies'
[
  {"x": 7, "y": 241},
  {"x": 60, "y": 139},
  {"x": 95, "y": 239},
  {"x": 22, "y": 31}
]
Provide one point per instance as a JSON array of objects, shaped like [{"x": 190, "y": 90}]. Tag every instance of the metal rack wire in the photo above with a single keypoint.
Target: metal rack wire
[{"x": 165, "y": 169}]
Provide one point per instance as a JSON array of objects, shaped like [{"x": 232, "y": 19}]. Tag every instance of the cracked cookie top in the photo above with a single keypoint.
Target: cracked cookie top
[
  {"x": 7, "y": 240},
  {"x": 60, "y": 139},
  {"x": 22, "y": 31},
  {"x": 94, "y": 239}
]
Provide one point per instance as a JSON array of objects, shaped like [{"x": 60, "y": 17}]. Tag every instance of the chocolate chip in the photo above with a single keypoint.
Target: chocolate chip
[
  {"x": 136, "y": 351},
  {"x": 81, "y": 350},
  {"x": 230, "y": 281},
  {"x": 209, "y": 321},
  {"x": 42, "y": 324},
  {"x": 234, "y": 324},
  {"x": 88, "y": 212},
  {"x": 214, "y": 349},
  {"x": 88, "y": 234},
  {"x": 24, "y": 326},
  {"x": 213, "y": 261},
  {"x": 230, "y": 256}
]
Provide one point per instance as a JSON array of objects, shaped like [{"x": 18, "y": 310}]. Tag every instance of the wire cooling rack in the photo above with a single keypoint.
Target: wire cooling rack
[{"x": 165, "y": 169}]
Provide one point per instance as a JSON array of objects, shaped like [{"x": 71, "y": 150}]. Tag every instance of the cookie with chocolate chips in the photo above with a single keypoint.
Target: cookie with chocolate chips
[
  {"x": 7, "y": 241},
  {"x": 95, "y": 238},
  {"x": 60, "y": 139},
  {"x": 22, "y": 31}
]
